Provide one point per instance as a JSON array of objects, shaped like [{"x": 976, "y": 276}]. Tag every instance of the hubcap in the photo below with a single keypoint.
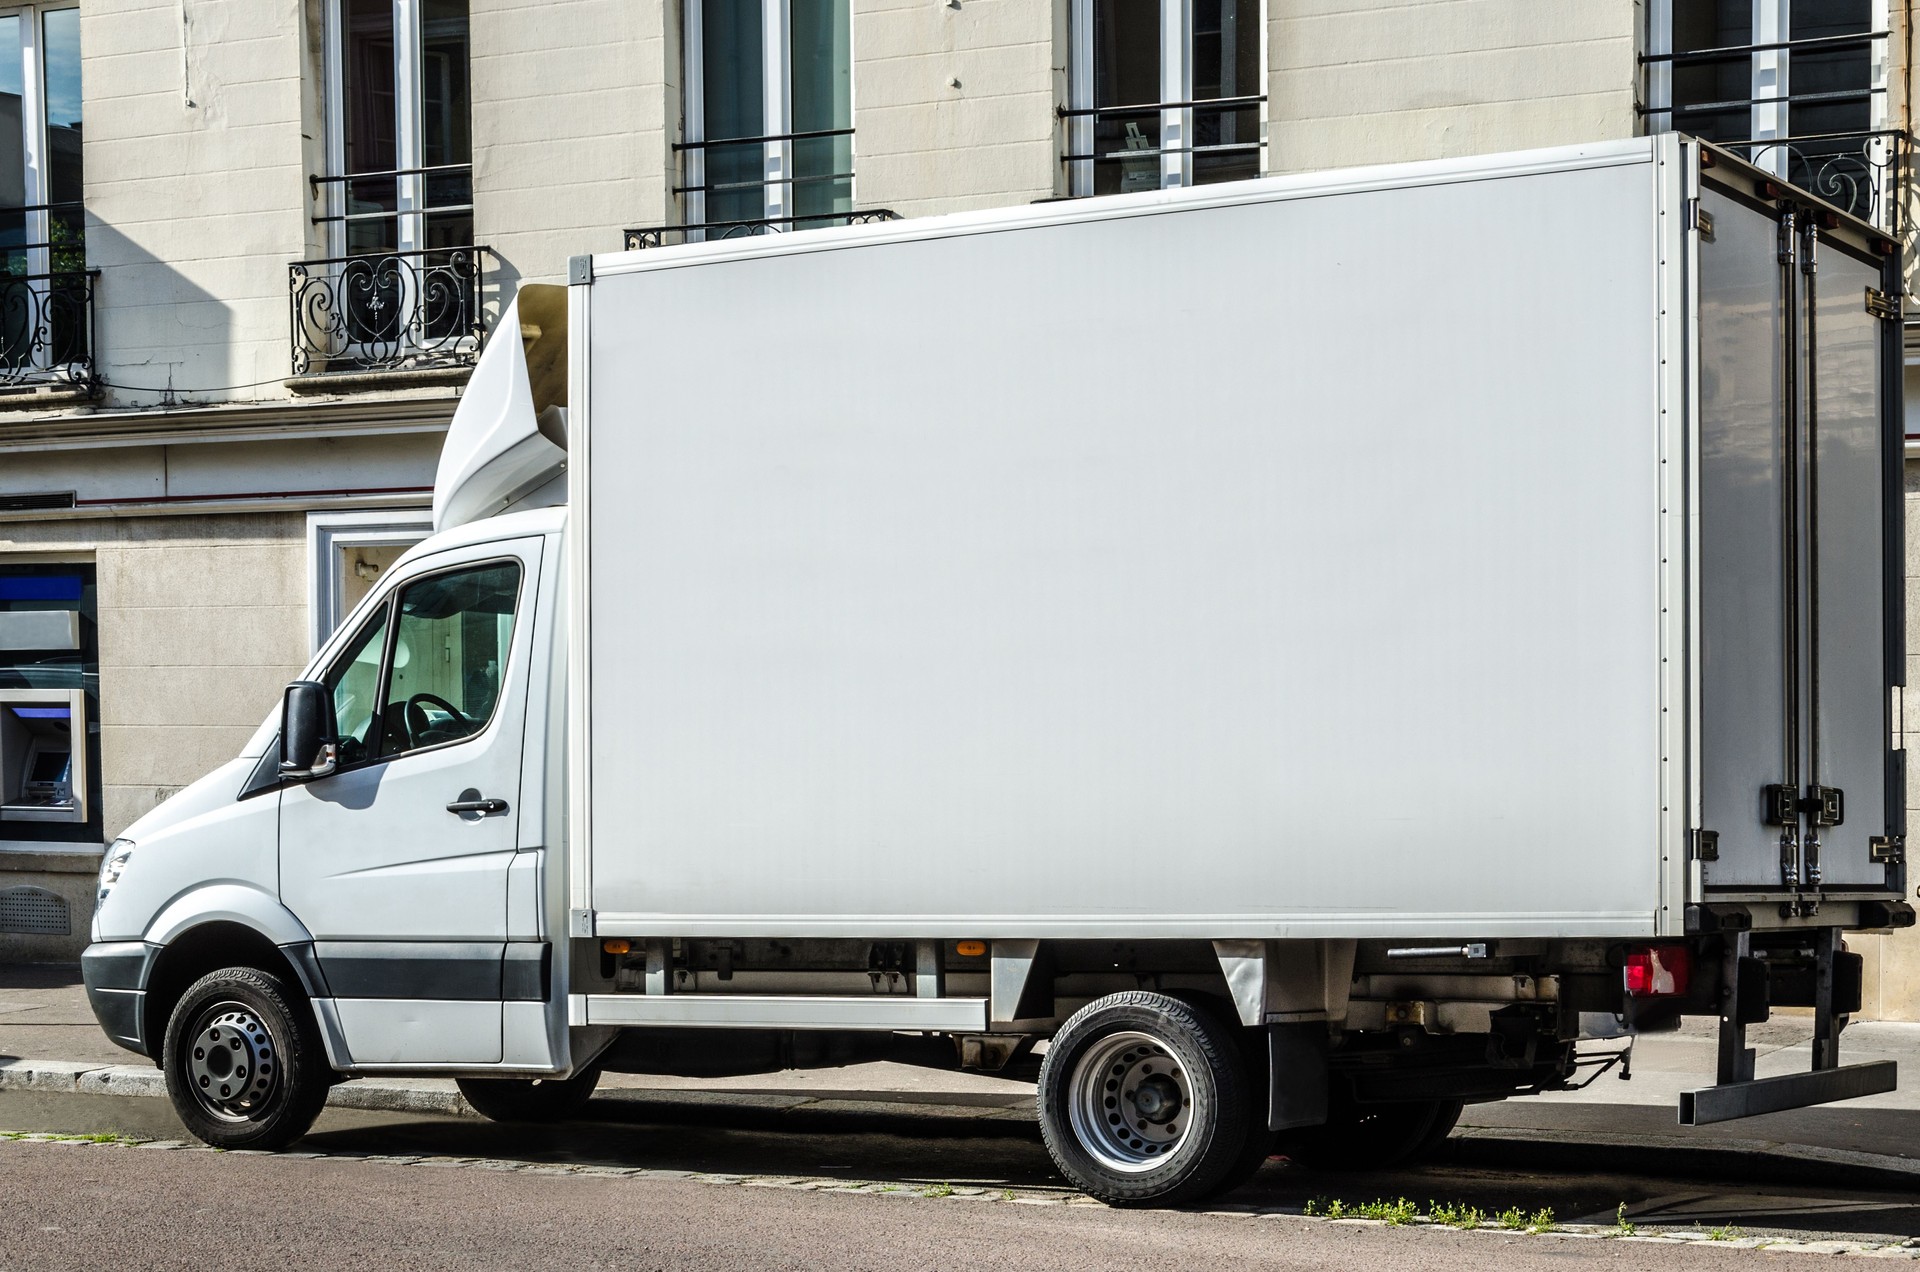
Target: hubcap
[
  {"x": 1129, "y": 1102},
  {"x": 233, "y": 1066}
]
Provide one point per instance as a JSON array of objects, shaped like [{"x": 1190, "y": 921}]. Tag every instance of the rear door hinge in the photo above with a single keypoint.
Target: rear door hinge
[
  {"x": 1702, "y": 220},
  {"x": 1889, "y": 850},
  {"x": 1706, "y": 845},
  {"x": 1882, "y": 305}
]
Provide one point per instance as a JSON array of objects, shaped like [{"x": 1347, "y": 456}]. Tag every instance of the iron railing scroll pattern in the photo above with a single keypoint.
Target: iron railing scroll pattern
[{"x": 388, "y": 311}]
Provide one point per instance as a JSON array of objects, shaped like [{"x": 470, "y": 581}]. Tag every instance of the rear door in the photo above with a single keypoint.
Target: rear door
[{"x": 1799, "y": 623}]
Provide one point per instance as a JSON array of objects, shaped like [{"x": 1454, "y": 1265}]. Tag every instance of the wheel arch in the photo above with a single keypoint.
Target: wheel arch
[{"x": 209, "y": 946}]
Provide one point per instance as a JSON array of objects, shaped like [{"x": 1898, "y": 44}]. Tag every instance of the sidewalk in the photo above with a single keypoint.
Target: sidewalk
[{"x": 50, "y": 1043}]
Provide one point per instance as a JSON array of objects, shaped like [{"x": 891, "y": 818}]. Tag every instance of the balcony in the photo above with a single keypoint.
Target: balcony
[
  {"x": 388, "y": 312},
  {"x": 713, "y": 231},
  {"x": 46, "y": 298},
  {"x": 46, "y": 330},
  {"x": 1824, "y": 134}
]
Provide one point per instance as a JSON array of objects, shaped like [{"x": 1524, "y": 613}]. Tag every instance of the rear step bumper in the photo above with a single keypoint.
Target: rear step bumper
[{"x": 1732, "y": 1100}]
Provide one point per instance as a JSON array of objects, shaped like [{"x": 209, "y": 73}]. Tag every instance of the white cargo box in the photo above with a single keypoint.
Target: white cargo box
[{"x": 1304, "y": 557}]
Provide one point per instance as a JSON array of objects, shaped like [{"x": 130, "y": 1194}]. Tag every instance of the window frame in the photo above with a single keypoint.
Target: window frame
[
  {"x": 411, "y": 204},
  {"x": 776, "y": 108},
  {"x": 1771, "y": 126},
  {"x": 389, "y": 608},
  {"x": 1176, "y": 89},
  {"x": 36, "y": 174}
]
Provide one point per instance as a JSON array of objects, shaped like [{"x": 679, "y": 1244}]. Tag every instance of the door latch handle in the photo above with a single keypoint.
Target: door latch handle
[{"x": 481, "y": 806}]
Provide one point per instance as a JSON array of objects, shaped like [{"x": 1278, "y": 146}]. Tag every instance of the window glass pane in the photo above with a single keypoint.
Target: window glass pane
[
  {"x": 1126, "y": 72},
  {"x": 13, "y": 154},
  {"x": 60, "y": 34},
  {"x": 732, "y": 75},
  {"x": 1710, "y": 97},
  {"x": 449, "y": 654},
  {"x": 1831, "y": 156},
  {"x": 354, "y": 682},
  {"x": 822, "y": 72},
  {"x": 367, "y": 97},
  {"x": 1226, "y": 64},
  {"x": 446, "y": 98}
]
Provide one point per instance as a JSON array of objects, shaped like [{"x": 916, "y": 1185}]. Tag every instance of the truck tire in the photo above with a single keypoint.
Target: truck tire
[
  {"x": 530, "y": 1099},
  {"x": 1444, "y": 1120},
  {"x": 1143, "y": 1100},
  {"x": 1367, "y": 1137},
  {"x": 243, "y": 1060}
]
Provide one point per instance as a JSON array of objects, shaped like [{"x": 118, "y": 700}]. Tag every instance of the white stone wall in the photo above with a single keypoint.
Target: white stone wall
[
  {"x": 196, "y": 189},
  {"x": 1356, "y": 81},
  {"x": 203, "y": 621},
  {"x": 924, "y": 143},
  {"x": 576, "y": 104}
]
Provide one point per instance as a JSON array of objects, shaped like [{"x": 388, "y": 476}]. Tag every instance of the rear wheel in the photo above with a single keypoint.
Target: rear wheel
[
  {"x": 530, "y": 1099},
  {"x": 1143, "y": 1100},
  {"x": 243, "y": 1060}
]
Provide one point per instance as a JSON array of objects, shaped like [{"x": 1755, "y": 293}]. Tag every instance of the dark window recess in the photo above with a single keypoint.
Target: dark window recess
[{"x": 37, "y": 500}]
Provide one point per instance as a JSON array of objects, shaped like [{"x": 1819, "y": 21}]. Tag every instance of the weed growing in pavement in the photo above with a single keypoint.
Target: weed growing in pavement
[
  {"x": 1542, "y": 1220},
  {"x": 1452, "y": 1216},
  {"x": 1726, "y": 1233},
  {"x": 1623, "y": 1226},
  {"x": 1395, "y": 1212},
  {"x": 1006, "y": 1194},
  {"x": 1512, "y": 1218},
  {"x": 937, "y": 1190}
]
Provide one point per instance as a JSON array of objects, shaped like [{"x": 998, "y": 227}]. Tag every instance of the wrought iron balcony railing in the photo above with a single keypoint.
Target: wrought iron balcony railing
[
  {"x": 46, "y": 328},
  {"x": 1862, "y": 170},
  {"x": 388, "y": 311},
  {"x": 658, "y": 235}
]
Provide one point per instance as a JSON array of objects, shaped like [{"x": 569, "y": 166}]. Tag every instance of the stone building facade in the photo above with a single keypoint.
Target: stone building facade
[{"x": 252, "y": 247}]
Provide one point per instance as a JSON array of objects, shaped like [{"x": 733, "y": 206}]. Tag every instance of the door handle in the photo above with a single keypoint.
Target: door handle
[{"x": 481, "y": 806}]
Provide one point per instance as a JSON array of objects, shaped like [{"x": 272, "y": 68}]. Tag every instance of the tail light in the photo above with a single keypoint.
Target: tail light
[{"x": 1658, "y": 971}]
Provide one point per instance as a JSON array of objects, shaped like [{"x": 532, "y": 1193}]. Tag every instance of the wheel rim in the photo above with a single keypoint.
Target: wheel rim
[
  {"x": 1129, "y": 1102},
  {"x": 232, "y": 1062}
]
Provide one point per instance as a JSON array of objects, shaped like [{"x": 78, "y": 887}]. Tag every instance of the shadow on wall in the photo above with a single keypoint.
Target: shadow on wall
[{"x": 160, "y": 339}]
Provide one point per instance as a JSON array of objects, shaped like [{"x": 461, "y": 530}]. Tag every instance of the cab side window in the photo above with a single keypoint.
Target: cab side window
[
  {"x": 451, "y": 638},
  {"x": 354, "y": 682}
]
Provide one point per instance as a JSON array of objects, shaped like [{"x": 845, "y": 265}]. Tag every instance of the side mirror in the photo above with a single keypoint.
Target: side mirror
[{"x": 309, "y": 735}]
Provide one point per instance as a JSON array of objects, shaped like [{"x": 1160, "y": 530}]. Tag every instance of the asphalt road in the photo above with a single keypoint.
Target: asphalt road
[
  {"x": 86, "y": 1207},
  {"x": 896, "y": 1152}
]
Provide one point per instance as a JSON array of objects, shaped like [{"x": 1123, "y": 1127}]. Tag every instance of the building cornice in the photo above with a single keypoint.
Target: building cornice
[{"x": 346, "y": 416}]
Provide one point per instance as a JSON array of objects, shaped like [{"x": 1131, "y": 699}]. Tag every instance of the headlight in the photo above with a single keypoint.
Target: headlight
[{"x": 113, "y": 863}]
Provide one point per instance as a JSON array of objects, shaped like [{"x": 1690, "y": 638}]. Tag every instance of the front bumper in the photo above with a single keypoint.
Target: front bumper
[{"x": 115, "y": 973}]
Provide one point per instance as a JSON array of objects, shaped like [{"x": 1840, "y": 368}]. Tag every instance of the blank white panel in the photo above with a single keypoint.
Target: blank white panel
[{"x": 1275, "y": 569}]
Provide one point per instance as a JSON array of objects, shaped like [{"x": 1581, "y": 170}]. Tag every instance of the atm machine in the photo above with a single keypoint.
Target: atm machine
[{"x": 43, "y": 756}]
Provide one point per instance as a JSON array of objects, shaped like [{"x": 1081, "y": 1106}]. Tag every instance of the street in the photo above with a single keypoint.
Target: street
[
  {"x": 99, "y": 1206},
  {"x": 658, "y": 1180}
]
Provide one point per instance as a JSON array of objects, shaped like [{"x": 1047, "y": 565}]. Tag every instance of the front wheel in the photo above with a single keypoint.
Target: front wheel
[
  {"x": 530, "y": 1099},
  {"x": 1143, "y": 1100},
  {"x": 243, "y": 1061}
]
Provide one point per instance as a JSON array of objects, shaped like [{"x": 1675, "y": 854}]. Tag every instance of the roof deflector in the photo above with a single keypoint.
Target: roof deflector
[{"x": 509, "y": 433}]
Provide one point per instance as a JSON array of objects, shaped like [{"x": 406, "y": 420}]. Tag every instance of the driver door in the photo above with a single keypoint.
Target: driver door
[{"x": 407, "y": 898}]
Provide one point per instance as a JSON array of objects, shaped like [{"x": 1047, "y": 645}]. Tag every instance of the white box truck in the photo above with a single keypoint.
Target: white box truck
[{"x": 1309, "y": 652}]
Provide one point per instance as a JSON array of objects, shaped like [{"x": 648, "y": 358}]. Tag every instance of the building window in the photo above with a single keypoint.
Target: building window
[
  {"x": 768, "y": 115},
  {"x": 45, "y": 310},
  {"x": 1164, "y": 93},
  {"x": 49, "y": 703},
  {"x": 1797, "y": 86},
  {"x": 347, "y": 552},
  {"x": 400, "y": 284}
]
